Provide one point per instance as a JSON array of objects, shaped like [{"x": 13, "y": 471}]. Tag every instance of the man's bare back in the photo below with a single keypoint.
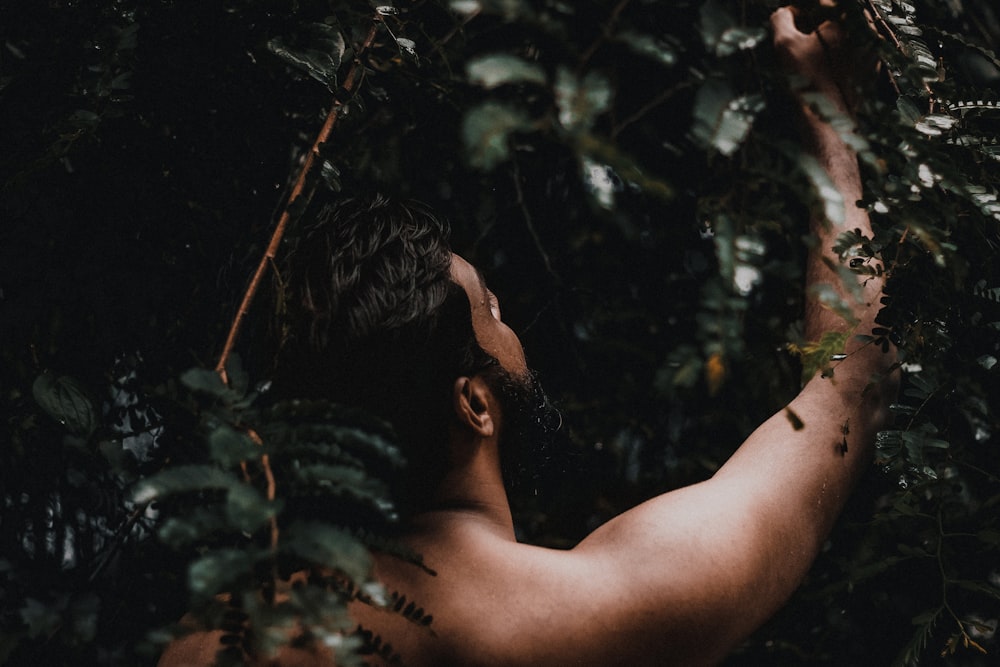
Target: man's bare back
[{"x": 682, "y": 578}]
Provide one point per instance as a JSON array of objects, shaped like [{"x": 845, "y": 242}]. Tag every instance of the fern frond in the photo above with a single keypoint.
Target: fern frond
[
  {"x": 910, "y": 655},
  {"x": 392, "y": 547},
  {"x": 960, "y": 40}
]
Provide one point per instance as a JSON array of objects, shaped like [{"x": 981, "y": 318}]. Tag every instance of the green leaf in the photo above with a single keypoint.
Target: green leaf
[
  {"x": 210, "y": 574},
  {"x": 486, "y": 130},
  {"x": 497, "y": 70},
  {"x": 177, "y": 531},
  {"x": 581, "y": 101},
  {"x": 830, "y": 298},
  {"x": 41, "y": 619},
  {"x": 508, "y": 9},
  {"x": 66, "y": 401},
  {"x": 645, "y": 45},
  {"x": 723, "y": 119},
  {"x": 317, "y": 51},
  {"x": 344, "y": 480},
  {"x": 823, "y": 186},
  {"x": 229, "y": 447},
  {"x": 247, "y": 509},
  {"x": 205, "y": 381},
  {"x": 816, "y": 356},
  {"x": 721, "y": 33},
  {"x": 323, "y": 544},
  {"x": 182, "y": 479}
]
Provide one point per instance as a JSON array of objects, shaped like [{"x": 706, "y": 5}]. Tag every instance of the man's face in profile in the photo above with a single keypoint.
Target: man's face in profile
[{"x": 528, "y": 420}]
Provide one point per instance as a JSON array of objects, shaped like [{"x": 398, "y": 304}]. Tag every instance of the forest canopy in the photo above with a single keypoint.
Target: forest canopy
[{"x": 627, "y": 175}]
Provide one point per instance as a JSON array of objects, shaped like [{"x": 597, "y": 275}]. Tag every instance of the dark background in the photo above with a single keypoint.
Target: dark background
[{"x": 146, "y": 150}]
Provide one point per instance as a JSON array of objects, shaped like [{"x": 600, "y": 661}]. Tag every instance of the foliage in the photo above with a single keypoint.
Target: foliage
[
  {"x": 286, "y": 489},
  {"x": 624, "y": 172}
]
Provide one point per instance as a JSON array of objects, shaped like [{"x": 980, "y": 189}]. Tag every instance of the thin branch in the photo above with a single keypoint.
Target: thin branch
[
  {"x": 606, "y": 32},
  {"x": 529, "y": 223},
  {"x": 279, "y": 230},
  {"x": 660, "y": 98}
]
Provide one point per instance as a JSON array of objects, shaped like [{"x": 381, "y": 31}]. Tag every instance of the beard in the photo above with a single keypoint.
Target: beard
[{"x": 528, "y": 427}]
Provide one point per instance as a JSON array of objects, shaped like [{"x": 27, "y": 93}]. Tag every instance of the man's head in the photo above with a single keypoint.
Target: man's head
[{"x": 377, "y": 312}]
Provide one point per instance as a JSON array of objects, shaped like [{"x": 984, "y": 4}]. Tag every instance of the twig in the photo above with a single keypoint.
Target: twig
[
  {"x": 279, "y": 230},
  {"x": 120, "y": 536},
  {"x": 608, "y": 27},
  {"x": 529, "y": 223}
]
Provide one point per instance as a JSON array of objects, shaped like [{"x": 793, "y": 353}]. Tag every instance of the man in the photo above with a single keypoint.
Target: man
[{"x": 681, "y": 579}]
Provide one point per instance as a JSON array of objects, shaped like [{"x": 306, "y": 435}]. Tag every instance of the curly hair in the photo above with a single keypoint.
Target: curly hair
[{"x": 370, "y": 317}]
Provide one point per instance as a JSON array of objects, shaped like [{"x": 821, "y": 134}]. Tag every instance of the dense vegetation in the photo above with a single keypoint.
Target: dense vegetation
[{"x": 626, "y": 174}]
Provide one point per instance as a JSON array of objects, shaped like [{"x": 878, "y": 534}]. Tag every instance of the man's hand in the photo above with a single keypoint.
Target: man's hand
[{"x": 820, "y": 59}]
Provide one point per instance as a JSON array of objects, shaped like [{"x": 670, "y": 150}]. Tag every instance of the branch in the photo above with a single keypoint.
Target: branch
[{"x": 279, "y": 231}]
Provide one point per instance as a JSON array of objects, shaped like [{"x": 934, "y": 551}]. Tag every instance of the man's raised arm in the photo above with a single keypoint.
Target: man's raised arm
[{"x": 707, "y": 564}]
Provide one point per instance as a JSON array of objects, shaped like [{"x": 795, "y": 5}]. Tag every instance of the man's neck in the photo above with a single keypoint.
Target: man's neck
[{"x": 471, "y": 492}]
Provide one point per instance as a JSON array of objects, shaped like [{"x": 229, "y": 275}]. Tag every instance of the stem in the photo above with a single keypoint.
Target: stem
[
  {"x": 279, "y": 230},
  {"x": 609, "y": 26}
]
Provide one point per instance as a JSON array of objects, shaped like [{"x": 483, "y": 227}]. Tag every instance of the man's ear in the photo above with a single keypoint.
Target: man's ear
[{"x": 474, "y": 405}]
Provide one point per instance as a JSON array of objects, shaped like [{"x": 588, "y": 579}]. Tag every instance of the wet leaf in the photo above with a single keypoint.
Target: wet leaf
[
  {"x": 331, "y": 547},
  {"x": 229, "y": 447},
  {"x": 205, "y": 381},
  {"x": 211, "y": 573},
  {"x": 721, "y": 118},
  {"x": 581, "y": 101},
  {"x": 722, "y": 34},
  {"x": 487, "y": 130},
  {"x": 650, "y": 47},
  {"x": 181, "y": 479},
  {"x": 497, "y": 70},
  {"x": 66, "y": 401},
  {"x": 317, "y": 51}
]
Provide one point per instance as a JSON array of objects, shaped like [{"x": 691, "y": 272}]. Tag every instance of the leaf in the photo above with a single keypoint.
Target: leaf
[
  {"x": 508, "y": 9},
  {"x": 497, "y": 70},
  {"x": 325, "y": 545},
  {"x": 41, "y": 619},
  {"x": 486, "y": 131},
  {"x": 344, "y": 480},
  {"x": 816, "y": 356},
  {"x": 722, "y": 35},
  {"x": 205, "y": 381},
  {"x": 581, "y": 101},
  {"x": 830, "y": 298},
  {"x": 177, "y": 531},
  {"x": 247, "y": 509},
  {"x": 715, "y": 373},
  {"x": 317, "y": 51},
  {"x": 829, "y": 195},
  {"x": 229, "y": 447},
  {"x": 645, "y": 45},
  {"x": 210, "y": 574},
  {"x": 66, "y": 401},
  {"x": 407, "y": 46},
  {"x": 723, "y": 119},
  {"x": 182, "y": 479},
  {"x": 935, "y": 124},
  {"x": 392, "y": 547}
]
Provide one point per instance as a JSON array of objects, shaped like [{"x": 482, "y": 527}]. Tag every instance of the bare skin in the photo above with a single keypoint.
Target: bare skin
[{"x": 684, "y": 577}]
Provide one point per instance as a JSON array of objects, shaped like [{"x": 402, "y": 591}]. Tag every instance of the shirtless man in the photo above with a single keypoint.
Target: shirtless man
[{"x": 681, "y": 579}]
